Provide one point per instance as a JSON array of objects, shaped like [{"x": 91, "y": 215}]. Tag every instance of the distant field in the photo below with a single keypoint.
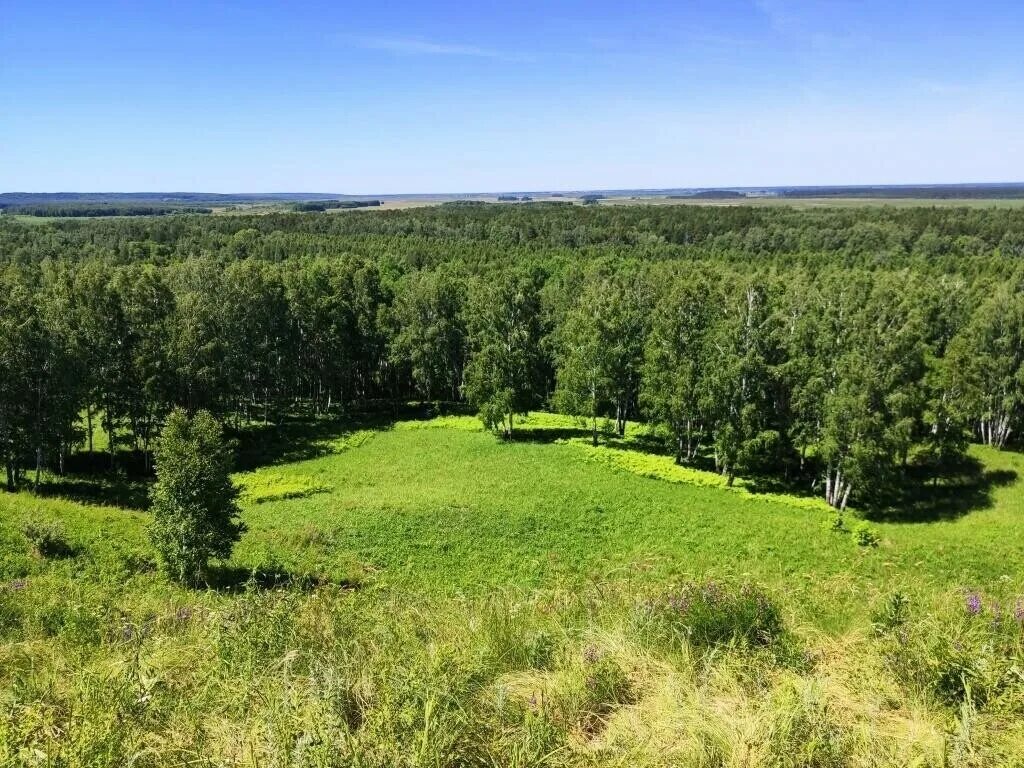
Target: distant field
[
  {"x": 783, "y": 202},
  {"x": 822, "y": 202},
  {"x": 392, "y": 203}
]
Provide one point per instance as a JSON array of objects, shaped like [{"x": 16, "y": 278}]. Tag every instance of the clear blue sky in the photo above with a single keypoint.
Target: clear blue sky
[{"x": 382, "y": 97}]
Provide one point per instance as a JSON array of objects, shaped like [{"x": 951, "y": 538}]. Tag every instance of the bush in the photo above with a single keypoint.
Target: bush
[
  {"x": 194, "y": 500},
  {"x": 712, "y": 614},
  {"x": 837, "y": 524},
  {"x": 48, "y": 538},
  {"x": 972, "y": 652},
  {"x": 894, "y": 614},
  {"x": 865, "y": 535}
]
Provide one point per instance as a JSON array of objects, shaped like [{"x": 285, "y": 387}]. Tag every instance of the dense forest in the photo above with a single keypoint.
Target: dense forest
[
  {"x": 843, "y": 351},
  {"x": 86, "y": 210},
  {"x": 327, "y": 205}
]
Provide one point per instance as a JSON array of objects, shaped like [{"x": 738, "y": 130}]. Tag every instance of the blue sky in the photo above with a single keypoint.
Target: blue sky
[{"x": 389, "y": 97}]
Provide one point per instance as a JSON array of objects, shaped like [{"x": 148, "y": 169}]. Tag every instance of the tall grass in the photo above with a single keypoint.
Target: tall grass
[{"x": 335, "y": 677}]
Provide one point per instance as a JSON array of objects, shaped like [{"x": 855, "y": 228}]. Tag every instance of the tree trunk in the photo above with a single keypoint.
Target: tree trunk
[
  {"x": 110, "y": 437},
  {"x": 846, "y": 497},
  {"x": 88, "y": 421},
  {"x": 39, "y": 466},
  {"x": 837, "y": 492}
]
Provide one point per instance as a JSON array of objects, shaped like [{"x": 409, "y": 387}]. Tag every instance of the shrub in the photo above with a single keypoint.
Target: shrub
[
  {"x": 194, "y": 501},
  {"x": 711, "y": 613},
  {"x": 865, "y": 535},
  {"x": 970, "y": 652},
  {"x": 838, "y": 524},
  {"x": 48, "y": 538},
  {"x": 893, "y": 614}
]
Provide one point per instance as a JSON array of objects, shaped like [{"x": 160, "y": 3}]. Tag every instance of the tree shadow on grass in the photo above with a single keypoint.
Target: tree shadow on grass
[
  {"x": 547, "y": 434},
  {"x": 110, "y": 490},
  {"x": 298, "y": 438},
  {"x": 91, "y": 477},
  {"x": 914, "y": 498},
  {"x": 965, "y": 488},
  {"x": 233, "y": 578},
  {"x": 606, "y": 438}
]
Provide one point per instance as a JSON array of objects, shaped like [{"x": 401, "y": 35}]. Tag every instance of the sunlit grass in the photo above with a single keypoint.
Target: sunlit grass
[{"x": 428, "y": 594}]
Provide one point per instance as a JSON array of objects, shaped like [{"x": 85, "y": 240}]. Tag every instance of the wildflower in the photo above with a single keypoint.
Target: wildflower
[
  {"x": 183, "y": 614},
  {"x": 1018, "y": 610},
  {"x": 973, "y": 603},
  {"x": 712, "y": 592},
  {"x": 18, "y": 584},
  {"x": 591, "y": 654}
]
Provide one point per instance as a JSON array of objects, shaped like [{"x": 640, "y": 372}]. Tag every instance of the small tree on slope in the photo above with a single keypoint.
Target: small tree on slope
[{"x": 194, "y": 500}]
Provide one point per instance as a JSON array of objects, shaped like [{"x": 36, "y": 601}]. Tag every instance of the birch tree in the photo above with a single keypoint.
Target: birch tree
[
  {"x": 987, "y": 366},
  {"x": 502, "y": 377}
]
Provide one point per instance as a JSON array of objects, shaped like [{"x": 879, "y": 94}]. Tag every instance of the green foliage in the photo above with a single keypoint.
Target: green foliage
[
  {"x": 502, "y": 378},
  {"x": 894, "y": 613},
  {"x": 502, "y": 612},
  {"x": 599, "y": 350},
  {"x": 852, "y": 350},
  {"x": 430, "y": 332},
  {"x": 193, "y": 500},
  {"x": 664, "y": 468},
  {"x": 865, "y": 535},
  {"x": 713, "y": 613},
  {"x": 261, "y": 487},
  {"x": 987, "y": 366},
  {"x": 965, "y": 650},
  {"x": 838, "y": 524},
  {"x": 47, "y": 538},
  {"x": 844, "y": 352}
]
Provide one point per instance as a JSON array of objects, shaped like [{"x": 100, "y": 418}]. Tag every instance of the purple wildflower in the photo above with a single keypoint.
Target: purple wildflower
[
  {"x": 973, "y": 603},
  {"x": 591, "y": 654},
  {"x": 18, "y": 584},
  {"x": 1018, "y": 610},
  {"x": 183, "y": 614},
  {"x": 679, "y": 602}
]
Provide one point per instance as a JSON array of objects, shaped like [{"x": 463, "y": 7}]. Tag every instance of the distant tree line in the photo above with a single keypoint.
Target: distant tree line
[
  {"x": 924, "y": 191},
  {"x": 324, "y": 205},
  {"x": 98, "y": 209},
  {"x": 851, "y": 350}
]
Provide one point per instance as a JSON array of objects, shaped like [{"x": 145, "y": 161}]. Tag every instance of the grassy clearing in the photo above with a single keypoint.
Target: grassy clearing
[{"x": 422, "y": 593}]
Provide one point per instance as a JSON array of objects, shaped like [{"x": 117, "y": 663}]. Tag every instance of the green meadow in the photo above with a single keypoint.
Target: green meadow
[{"x": 419, "y": 592}]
